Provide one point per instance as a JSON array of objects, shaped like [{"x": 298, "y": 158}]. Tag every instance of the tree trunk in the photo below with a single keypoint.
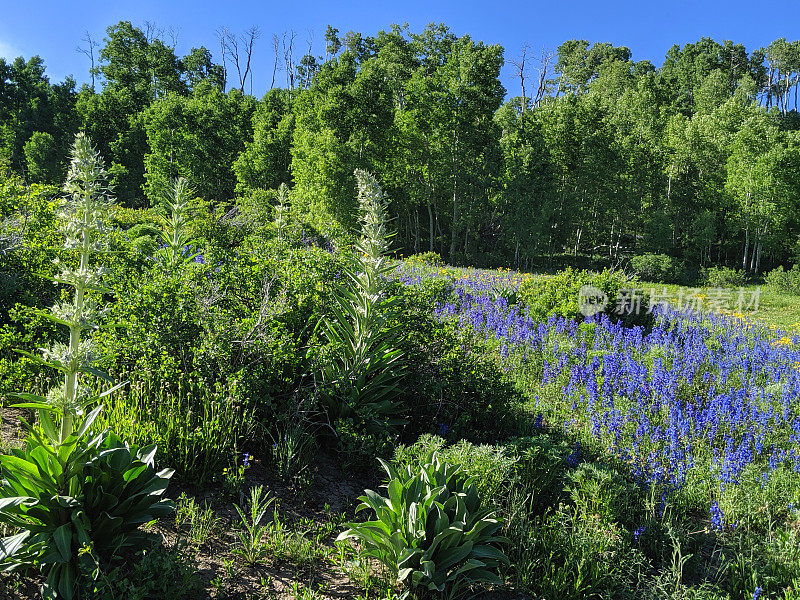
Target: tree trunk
[
  {"x": 430, "y": 225},
  {"x": 454, "y": 230},
  {"x": 746, "y": 245},
  {"x": 416, "y": 230}
]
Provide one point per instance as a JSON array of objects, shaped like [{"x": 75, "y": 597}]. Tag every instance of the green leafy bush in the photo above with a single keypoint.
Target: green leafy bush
[
  {"x": 493, "y": 468},
  {"x": 721, "y": 277},
  {"x": 658, "y": 268},
  {"x": 431, "y": 530},
  {"x": 786, "y": 281},
  {"x": 87, "y": 492},
  {"x": 125, "y": 217},
  {"x": 144, "y": 237},
  {"x": 432, "y": 259},
  {"x": 560, "y": 294},
  {"x": 28, "y": 243}
]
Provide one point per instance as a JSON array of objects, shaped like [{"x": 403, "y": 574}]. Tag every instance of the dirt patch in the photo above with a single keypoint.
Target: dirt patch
[{"x": 12, "y": 432}]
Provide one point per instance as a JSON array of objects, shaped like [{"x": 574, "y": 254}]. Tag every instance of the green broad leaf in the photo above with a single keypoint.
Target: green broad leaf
[
  {"x": 483, "y": 576},
  {"x": 41, "y": 361},
  {"x": 67, "y": 502},
  {"x": 48, "y": 426},
  {"x": 9, "y": 546},
  {"x": 165, "y": 473},
  {"x": 485, "y": 551},
  {"x": 88, "y": 421},
  {"x": 14, "y": 501},
  {"x": 161, "y": 509},
  {"x": 147, "y": 454},
  {"x": 97, "y": 373},
  {"x": 66, "y": 583},
  {"x": 51, "y": 317},
  {"x": 395, "y": 491},
  {"x": 63, "y": 539},
  {"x": 38, "y": 437},
  {"x": 110, "y": 390},
  {"x": 346, "y": 535},
  {"x": 32, "y": 398},
  {"x": 453, "y": 556},
  {"x": 14, "y": 463},
  {"x": 49, "y": 589},
  {"x": 133, "y": 473}
]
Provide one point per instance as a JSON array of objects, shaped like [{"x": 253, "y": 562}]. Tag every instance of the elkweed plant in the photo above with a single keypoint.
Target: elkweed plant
[
  {"x": 72, "y": 488},
  {"x": 431, "y": 531},
  {"x": 175, "y": 240},
  {"x": 366, "y": 370}
]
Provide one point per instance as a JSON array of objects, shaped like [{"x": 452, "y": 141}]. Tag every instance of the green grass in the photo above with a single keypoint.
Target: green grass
[{"x": 775, "y": 309}]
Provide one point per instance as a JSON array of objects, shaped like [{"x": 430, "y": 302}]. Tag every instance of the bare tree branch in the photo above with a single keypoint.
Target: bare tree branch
[
  {"x": 519, "y": 65},
  {"x": 240, "y": 50},
  {"x": 88, "y": 51}
]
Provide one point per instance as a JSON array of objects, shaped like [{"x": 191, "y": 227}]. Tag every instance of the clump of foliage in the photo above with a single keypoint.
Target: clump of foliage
[
  {"x": 363, "y": 373},
  {"x": 432, "y": 259},
  {"x": 786, "y": 281},
  {"x": 144, "y": 237},
  {"x": 560, "y": 294},
  {"x": 493, "y": 468},
  {"x": 721, "y": 277},
  {"x": 76, "y": 496},
  {"x": 432, "y": 531},
  {"x": 658, "y": 268}
]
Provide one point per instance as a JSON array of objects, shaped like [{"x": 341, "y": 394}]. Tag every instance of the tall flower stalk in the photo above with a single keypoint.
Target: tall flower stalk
[
  {"x": 176, "y": 238},
  {"x": 73, "y": 496},
  {"x": 84, "y": 215},
  {"x": 365, "y": 372}
]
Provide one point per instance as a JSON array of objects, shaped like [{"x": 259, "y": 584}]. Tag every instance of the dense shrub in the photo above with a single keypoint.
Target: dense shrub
[
  {"x": 721, "y": 277},
  {"x": 494, "y": 468},
  {"x": 432, "y": 259},
  {"x": 126, "y": 218},
  {"x": 560, "y": 294},
  {"x": 144, "y": 237},
  {"x": 786, "y": 281},
  {"x": 208, "y": 348},
  {"x": 658, "y": 268}
]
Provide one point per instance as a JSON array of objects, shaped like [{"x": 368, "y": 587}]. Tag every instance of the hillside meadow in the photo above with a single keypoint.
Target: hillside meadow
[{"x": 227, "y": 407}]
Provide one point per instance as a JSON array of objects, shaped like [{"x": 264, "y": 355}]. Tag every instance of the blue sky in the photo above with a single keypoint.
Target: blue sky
[{"x": 53, "y": 28}]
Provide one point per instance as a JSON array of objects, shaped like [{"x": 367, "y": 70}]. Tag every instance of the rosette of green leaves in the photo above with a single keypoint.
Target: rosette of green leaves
[
  {"x": 431, "y": 531},
  {"x": 76, "y": 504}
]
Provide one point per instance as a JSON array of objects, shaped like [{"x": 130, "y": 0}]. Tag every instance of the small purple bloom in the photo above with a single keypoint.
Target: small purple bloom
[{"x": 717, "y": 516}]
